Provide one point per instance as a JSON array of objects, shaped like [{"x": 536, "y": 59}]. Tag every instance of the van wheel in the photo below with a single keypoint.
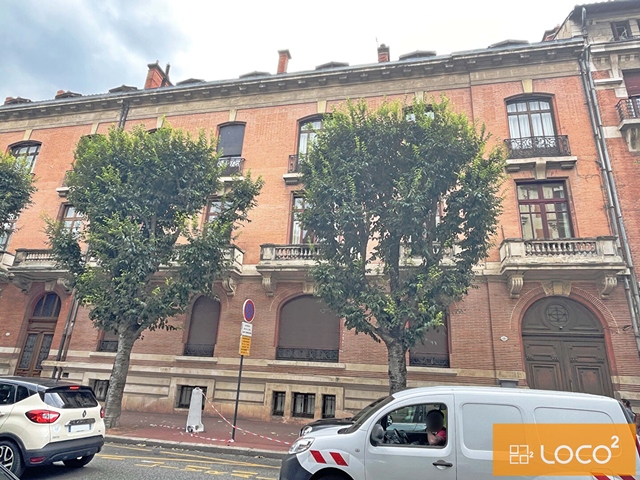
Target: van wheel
[
  {"x": 331, "y": 476},
  {"x": 78, "y": 462},
  {"x": 11, "y": 458}
]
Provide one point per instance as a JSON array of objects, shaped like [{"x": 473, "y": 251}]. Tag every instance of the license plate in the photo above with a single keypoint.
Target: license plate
[{"x": 79, "y": 428}]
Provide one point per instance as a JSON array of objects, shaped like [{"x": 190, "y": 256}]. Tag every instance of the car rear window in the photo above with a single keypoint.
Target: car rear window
[{"x": 70, "y": 398}]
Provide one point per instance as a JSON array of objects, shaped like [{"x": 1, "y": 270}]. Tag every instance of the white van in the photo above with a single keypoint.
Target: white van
[{"x": 439, "y": 433}]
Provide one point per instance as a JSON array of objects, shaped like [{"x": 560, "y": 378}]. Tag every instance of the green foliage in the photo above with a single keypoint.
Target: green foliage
[
  {"x": 141, "y": 194},
  {"x": 16, "y": 188},
  {"x": 373, "y": 181}
]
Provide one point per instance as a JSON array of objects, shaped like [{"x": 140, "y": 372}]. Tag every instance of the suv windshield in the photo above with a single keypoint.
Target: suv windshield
[
  {"x": 365, "y": 413},
  {"x": 70, "y": 398}
]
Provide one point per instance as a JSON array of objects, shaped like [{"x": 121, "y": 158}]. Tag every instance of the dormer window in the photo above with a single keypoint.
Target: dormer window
[{"x": 27, "y": 151}]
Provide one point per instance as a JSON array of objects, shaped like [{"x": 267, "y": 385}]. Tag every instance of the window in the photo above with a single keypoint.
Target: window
[
  {"x": 8, "y": 229},
  {"x": 231, "y": 138},
  {"x": 100, "y": 388},
  {"x": 184, "y": 396},
  {"x": 7, "y": 394},
  {"x": 420, "y": 425},
  {"x": 27, "y": 151},
  {"x": 307, "y": 332},
  {"x": 214, "y": 208},
  {"x": 433, "y": 350},
  {"x": 478, "y": 420},
  {"x": 621, "y": 30},
  {"x": 48, "y": 306},
  {"x": 278, "y": 403},
  {"x": 72, "y": 219},
  {"x": 544, "y": 211},
  {"x": 328, "y": 406},
  {"x": 308, "y": 131},
  {"x": 530, "y": 118},
  {"x": 203, "y": 328},
  {"x": 304, "y": 405},
  {"x": 109, "y": 342},
  {"x": 299, "y": 235}
]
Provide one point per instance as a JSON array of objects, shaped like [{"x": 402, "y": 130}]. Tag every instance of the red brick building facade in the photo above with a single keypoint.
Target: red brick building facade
[{"x": 550, "y": 310}]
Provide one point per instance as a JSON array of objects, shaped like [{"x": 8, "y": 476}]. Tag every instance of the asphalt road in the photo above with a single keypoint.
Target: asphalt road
[{"x": 123, "y": 462}]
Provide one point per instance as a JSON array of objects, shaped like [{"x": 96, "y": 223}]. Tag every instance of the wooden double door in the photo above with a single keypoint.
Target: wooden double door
[{"x": 564, "y": 348}]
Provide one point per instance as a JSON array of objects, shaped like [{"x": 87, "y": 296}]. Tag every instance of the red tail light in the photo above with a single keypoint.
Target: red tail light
[
  {"x": 42, "y": 416},
  {"x": 101, "y": 412},
  {"x": 74, "y": 387}
]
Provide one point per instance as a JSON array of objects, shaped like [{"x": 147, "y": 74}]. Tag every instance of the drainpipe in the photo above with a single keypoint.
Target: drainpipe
[
  {"x": 615, "y": 212},
  {"x": 66, "y": 333},
  {"x": 123, "y": 114}
]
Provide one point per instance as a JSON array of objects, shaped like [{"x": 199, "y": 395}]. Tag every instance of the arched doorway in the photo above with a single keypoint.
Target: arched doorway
[
  {"x": 42, "y": 325},
  {"x": 564, "y": 348}
]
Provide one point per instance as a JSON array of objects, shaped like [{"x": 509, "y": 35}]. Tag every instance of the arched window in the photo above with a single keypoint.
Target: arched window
[
  {"x": 42, "y": 325},
  {"x": 308, "y": 129},
  {"x": 433, "y": 350},
  {"x": 203, "y": 328},
  {"x": 308, "y": 332},
  {"x": 532, "y": 129},
  {"x": 26, "y": 150}
]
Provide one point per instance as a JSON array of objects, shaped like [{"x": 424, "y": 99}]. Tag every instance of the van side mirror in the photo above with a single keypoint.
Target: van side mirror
[{"x": 377, "y": 434}]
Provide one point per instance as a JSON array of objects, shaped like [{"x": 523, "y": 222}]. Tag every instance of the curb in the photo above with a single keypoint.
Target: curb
[{"x": 202, "y": 447}]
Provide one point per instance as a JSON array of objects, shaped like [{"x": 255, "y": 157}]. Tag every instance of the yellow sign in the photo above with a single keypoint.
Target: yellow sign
[
  {"x": 564, "y": 449},
  {"x": 245, "y": 345}
]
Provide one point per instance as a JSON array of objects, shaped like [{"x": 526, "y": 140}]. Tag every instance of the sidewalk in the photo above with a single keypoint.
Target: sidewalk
[{"x": 168, "y": 430}]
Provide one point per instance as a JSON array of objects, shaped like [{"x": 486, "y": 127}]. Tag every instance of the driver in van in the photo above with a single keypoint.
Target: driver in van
[{"x": 436, "y": 431}]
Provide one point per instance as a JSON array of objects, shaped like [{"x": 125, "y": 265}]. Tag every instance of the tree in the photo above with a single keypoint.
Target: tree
[
  {"x": 16, "y": 188},
  {"x": 146, "y": 258},
  {"x": 392, "y": 192}
]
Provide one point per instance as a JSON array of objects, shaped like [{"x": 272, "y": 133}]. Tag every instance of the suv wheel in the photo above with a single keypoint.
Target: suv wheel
[
  {"x": 10, "y": 457},
  {"x": 78, "y": 462}
]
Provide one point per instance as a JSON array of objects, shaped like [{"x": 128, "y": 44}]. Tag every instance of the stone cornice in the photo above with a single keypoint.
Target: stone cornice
[{"x": 455, "y": 63}]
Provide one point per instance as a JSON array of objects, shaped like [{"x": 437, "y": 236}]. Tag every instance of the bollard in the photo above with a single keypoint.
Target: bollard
[{"x": 194, "y": 419}]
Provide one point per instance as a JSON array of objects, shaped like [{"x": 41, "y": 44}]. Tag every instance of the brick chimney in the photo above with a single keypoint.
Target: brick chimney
[
  {"x": 283, "y": 61},
  {"x": 383, "y": 54},
  {"x": 156, "y": 77}
]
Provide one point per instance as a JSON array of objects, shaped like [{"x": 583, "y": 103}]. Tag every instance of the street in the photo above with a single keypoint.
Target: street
[{"x": 117, "y": 462}]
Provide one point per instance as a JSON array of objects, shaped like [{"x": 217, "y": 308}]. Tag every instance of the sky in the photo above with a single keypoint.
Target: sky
[{"x": 91, "y": 46}]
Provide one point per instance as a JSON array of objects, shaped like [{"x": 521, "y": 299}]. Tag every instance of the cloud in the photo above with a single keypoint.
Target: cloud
[{"x": 86, "y": 47}]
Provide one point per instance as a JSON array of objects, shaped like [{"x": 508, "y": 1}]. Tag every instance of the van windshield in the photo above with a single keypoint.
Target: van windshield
[{"x": 362, "y": 416}]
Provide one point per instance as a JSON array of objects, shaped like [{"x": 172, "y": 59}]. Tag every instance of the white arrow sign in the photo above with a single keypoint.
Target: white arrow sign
[{"x": 247, "y": 329}]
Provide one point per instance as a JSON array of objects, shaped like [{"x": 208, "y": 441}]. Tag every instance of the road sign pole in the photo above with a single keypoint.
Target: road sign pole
[{"x": 235, "y": 411}]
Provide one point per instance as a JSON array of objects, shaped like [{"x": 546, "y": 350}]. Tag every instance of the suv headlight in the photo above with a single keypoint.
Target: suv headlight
[
  {"x": 301, "y": 445},
  {"x": 305, "y": 430}
]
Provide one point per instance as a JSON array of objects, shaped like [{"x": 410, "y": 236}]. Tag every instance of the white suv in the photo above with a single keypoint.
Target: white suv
[{"x": 44, "y": 421}]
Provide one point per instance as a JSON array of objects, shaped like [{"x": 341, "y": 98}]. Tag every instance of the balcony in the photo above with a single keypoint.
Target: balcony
[
  {"x": 292, "y": 177},
  {"x": 285, "y": 262},
  {"x": 539, "y": 153},
  {"x": 566, "y": 259},
  {"x": 307, "y": 355},
  {"x": 6, "y": 260},
  {"x": 231, "y": 166},
  {"x": 63, "y": 190},
  {"x": 557, "y": 146}
]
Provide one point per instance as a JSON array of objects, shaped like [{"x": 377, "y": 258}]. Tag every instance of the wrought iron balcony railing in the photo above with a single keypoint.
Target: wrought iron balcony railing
[
  {"x": 293, "y": 164},
  {"x": 429, "y": 360},
  {"x": 528, "y": 147},
  {"x": 108, "y": 346},
  {"x": 231, "y": 166},
  {"x": 198, "y": 350},
  {"x": 307, "y": 354},
  {"x": 628, "y": 108}
]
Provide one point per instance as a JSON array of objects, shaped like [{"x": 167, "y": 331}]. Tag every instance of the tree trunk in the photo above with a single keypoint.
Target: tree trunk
[
  {"x": 118, "y": 379},
  {"x": 397, "y": 366}
]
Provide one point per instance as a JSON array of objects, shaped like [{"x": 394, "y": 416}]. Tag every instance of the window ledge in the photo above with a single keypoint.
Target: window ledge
[
  {"x": 184, "y": 358},
  {"x": 292, "y": 178},
  {"x": 434, "y": 370},
  {"x": 608, "y": 81},
  {"x": 540, "y": 164},
  {"x": 103, "y": 354},
  {"x": 287, "y": 363},
  {"x": 628, "y": 122},
  {"x": 62, "y": 191},
  {"x": 237, "y": 178}
]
